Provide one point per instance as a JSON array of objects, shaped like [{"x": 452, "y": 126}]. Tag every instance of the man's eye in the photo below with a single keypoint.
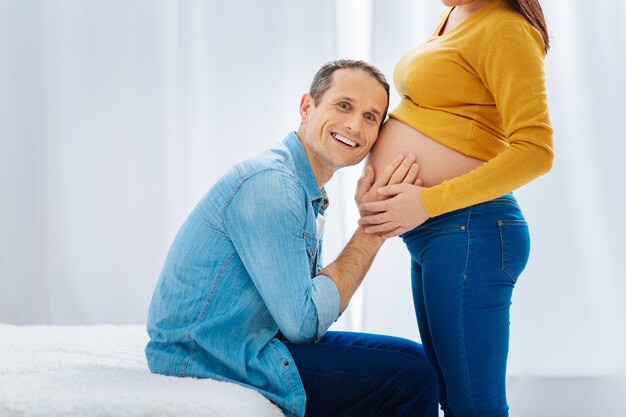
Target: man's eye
[
  {"x": 370, "y": 117},
  {"x": 344, "y": 106}
]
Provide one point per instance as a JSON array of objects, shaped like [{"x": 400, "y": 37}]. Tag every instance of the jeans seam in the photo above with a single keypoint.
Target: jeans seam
[
  {"x": 503, "y": 253},
  {"x": 461, "y": 315},
  {"x": 503, "y": 248}
]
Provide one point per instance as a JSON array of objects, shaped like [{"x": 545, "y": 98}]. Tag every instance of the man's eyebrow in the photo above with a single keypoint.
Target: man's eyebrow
[
  {"x": 377, "y": 112},
  {"x": 345, "y": 98},
  {"x": 374, "y": 110}
]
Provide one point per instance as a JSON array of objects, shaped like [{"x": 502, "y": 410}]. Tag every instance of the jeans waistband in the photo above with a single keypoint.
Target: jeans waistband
[{"x": 505, "y": 199}]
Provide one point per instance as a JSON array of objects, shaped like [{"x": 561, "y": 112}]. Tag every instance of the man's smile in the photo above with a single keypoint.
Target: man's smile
[{"x": 349, "y": 142}]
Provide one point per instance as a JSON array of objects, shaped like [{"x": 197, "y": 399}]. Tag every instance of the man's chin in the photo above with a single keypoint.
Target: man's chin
[{"x": 357, "y": 160}]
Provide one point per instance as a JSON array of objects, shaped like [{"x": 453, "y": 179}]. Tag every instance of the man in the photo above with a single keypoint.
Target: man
[{"x": 243, "y": 297}]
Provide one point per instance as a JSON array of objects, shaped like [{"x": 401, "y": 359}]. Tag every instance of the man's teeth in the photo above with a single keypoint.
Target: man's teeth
[{"x": 345, "y": 140}]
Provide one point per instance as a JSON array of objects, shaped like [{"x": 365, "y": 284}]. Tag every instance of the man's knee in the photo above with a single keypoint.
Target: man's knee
[
  {"x": 414, "y": 385},
  {"x": 420, "y": 377}
]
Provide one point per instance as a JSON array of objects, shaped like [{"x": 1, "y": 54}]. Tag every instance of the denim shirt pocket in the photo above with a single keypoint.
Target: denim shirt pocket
[{"x": 515, "y": 246}]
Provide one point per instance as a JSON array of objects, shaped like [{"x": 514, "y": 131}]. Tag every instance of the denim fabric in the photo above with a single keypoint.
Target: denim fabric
[
  {"x": 244, "y": 265},
  {"x": 464, "y": 267},
  {"x": 366, "y": 375}
]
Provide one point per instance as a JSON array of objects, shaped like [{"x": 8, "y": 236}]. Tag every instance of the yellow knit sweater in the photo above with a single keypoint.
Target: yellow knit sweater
[{"x": 480, "y": 90}]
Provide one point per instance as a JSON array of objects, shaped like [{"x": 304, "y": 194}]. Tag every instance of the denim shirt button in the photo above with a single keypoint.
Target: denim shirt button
[{"x": 286, "y": 363}]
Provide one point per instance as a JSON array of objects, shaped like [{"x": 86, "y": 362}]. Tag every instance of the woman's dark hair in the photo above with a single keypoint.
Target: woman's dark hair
[{"x": 531, "y": 10}]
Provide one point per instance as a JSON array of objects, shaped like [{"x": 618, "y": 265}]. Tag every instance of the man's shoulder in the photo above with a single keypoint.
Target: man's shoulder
[
  {"x": 262, "y": 180},
  {"x": 267, "y": 182},
  {"x": 276, "y": 161}
]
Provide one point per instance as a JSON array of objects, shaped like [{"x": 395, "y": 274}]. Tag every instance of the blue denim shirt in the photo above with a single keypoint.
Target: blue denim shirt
[{"x": 243, "y": 266}]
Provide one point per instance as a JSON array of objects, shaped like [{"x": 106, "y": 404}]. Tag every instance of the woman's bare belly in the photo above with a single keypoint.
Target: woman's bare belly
[{"x": 437, "y": 162}]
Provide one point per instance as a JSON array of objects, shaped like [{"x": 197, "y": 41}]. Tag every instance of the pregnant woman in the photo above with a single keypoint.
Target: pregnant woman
[{"x": 474, "y": 111}]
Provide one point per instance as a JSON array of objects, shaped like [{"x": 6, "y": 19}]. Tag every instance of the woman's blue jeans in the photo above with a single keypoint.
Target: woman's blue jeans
[
  {"x": 464, "y": 267},
  {"x": 350, "y": 374}
]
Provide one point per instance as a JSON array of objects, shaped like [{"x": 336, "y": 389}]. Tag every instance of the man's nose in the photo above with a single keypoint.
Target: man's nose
[{"x": 354, "y": 123}]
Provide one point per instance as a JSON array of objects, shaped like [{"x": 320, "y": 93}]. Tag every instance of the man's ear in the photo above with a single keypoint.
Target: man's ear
[{"x": 306, "y": 102}]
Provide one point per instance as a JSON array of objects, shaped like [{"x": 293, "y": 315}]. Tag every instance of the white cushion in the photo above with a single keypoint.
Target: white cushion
[{"x": 94, "y": 371}]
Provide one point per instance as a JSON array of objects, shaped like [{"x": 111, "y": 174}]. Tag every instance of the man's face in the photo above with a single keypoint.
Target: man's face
[{"x": 340, "y": 130}]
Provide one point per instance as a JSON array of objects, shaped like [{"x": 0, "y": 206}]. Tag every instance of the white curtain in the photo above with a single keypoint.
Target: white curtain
[{"x": 116, "y": 116}]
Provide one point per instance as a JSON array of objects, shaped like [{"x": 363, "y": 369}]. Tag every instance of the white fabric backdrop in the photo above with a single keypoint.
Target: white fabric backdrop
[{"x": 116, "y": 116}]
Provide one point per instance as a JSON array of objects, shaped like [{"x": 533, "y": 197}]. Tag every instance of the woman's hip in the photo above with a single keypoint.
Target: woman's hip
[{"x": 488, "y": 238}]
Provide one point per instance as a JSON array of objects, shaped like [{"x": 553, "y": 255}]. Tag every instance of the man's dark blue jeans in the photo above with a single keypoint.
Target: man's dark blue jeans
[{"x": 361, "y": 375}]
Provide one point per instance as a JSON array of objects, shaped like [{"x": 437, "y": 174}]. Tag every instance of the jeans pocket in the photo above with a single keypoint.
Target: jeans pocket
[{"x": 515, "y": 246}]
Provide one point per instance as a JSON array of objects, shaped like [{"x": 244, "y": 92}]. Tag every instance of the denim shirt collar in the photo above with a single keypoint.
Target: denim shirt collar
[{"x": 318, "y": 196}]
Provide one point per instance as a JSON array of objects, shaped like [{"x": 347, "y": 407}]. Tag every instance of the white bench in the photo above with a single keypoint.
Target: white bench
[{"x": 101, "y": 371}]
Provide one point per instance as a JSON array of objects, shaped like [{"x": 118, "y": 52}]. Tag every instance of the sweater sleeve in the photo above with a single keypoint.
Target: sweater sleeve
[{"x": 512, "y": 70}]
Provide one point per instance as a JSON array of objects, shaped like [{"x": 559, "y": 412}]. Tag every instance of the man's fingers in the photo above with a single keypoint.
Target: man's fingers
[
  {"x": 402, "y": 171},
  {"x": 385, "y": 176},
  {"x": 411, "y": 176},
  {"x": 364, "y": 184}
]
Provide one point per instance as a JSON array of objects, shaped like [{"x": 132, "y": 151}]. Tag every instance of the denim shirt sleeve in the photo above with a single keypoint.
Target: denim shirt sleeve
[{"x": 265, "y": 221}]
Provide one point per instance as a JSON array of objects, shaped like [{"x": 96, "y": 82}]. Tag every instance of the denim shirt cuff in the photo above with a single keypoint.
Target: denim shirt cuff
[{"x": 325, "y": 296}]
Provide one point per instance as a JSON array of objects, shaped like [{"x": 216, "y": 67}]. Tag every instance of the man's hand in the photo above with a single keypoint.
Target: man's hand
[
  {"x": 402, "y": 170},
  {"x": 391, "y": 205},
  {"x": 400, "y": 212}
]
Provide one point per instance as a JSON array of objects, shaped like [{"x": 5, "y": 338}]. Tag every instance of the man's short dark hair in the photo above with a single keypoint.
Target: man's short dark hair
[{"x": 322, "y": 80}]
